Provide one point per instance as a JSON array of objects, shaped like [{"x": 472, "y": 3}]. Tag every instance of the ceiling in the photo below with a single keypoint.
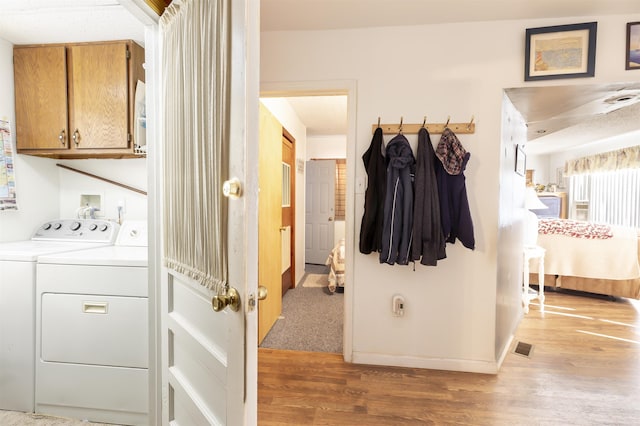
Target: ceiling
[
  {"x": 562, "y": 117},
  {"x": 62, "y": 21},
  {"x": 335, "y": 14},
  {"x": 563, "y": 112}
]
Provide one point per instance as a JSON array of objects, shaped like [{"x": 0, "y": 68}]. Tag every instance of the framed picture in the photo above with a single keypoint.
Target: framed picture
[
  {"x": 633, "y": 46},
  {"x": 560, "y": 179},
  {"x": 521, "y": 160},
  {"x": 561, "y": 51}
]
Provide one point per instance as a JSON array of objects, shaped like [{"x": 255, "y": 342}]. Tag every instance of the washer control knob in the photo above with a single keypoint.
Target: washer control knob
[
  {"x": 46, "y": 227},
  {"x": 75, "y": 226},
  {"x": 104, "y": 227},
  {"x": 57, "y": 226},
  {"x": 93, "y": 227}
]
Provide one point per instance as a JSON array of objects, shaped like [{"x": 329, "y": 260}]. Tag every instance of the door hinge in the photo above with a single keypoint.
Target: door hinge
[
  {"x": 128, "y": 137},
  {"x": 128, "y": 54}
]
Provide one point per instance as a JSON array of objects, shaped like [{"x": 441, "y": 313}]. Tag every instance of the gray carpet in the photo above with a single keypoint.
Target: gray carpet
[{"x": 311, "y": 320}]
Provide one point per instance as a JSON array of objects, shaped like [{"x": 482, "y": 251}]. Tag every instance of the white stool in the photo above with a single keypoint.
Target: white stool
[{"x": 533, "y": 252}]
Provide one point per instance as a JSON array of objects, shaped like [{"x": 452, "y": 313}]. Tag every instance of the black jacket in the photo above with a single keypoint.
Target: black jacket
[
  {"x": 428, "y": 239},
  {"x": 372, "y": 219},
  {"x": 398, "y": 204}
]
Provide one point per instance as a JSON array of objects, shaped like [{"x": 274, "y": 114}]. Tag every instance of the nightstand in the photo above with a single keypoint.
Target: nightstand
[{"x": 533, "y": 252}]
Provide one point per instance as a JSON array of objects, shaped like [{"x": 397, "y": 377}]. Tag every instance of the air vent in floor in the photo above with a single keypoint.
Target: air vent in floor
[{"x": 524, "y": 349}]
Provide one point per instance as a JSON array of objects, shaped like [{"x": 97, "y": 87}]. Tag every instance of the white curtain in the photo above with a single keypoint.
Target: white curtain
[
  {"x": 195, "y": 125},
  {"x": 611, "y": 197}
]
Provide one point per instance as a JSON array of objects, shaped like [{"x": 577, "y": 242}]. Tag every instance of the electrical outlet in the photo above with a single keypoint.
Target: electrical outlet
[{"x": 397, "y": 305}]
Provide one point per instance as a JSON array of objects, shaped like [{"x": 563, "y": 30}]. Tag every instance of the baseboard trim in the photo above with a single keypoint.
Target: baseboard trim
[{"x": 463, "y": 365}]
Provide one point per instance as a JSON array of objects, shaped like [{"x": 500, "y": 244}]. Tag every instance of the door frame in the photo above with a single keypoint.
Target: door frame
[
  {"x": 292, "y": 212},
  {"x": 328, "y": 88}
]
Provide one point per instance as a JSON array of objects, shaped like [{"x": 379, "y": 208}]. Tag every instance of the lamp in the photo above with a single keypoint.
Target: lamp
[{"x": 531, "y": 201}]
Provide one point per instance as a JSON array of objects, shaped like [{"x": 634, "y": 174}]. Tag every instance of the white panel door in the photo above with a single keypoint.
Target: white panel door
[
  {"x": 204, "y": 354},
  {"x": 319, "y": 210},
  {"x": 209, "y": 374}
]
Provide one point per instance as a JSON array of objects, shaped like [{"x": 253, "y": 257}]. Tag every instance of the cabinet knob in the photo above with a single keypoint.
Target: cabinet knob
[
  {"x": 76, "y": 137},
  {"x": 62, "y": 137}
]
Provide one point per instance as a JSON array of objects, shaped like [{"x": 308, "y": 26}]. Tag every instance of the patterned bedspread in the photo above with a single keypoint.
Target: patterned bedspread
[
  {"x": 336, "y": 263},
  {"x": 614, "y": 257},
  {"x": 574, "y": 228}
]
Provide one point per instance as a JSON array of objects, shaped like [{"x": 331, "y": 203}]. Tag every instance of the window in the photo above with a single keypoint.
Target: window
[
  {"x": 286, "y": 185},
  {"x": 341, "y": 188},
  {"x": 611, "y": 197}
]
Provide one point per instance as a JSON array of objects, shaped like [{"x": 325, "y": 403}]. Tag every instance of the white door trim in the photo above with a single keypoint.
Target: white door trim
[
  {"x": 334, "y": 87},
  {"x": 154, "y": 219}
]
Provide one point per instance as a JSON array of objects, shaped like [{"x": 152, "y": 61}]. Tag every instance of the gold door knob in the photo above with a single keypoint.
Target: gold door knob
[
  {"x": 262, "y": 292},
  {"x": 231, "y": 298},
  {"x": 232, "y": 188}
]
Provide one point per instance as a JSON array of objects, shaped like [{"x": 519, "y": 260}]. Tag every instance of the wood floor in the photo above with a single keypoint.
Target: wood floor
[{"x": 584, "y": 370}]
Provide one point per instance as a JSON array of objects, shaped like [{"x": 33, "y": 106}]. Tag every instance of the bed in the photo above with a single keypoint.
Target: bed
[
  {"x": 589, "y": 257},
  {"x": 335, "y": 261}
]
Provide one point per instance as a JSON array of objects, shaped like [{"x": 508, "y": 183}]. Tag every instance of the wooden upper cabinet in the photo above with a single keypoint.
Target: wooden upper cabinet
[
  {"x": 41, "y": 98},
  {"x": 98, "y": 96},
  {"x": 97, "y": 82}
]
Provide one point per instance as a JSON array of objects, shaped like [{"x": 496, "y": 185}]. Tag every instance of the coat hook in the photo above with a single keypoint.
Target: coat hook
[
  {"x": 470, "y": 123},
  {"x": 378, "y": 121},
  {"x": 448, "y": 119},
  {"x": 424, "y": 121},
  {"x": 400, "y": 127}
]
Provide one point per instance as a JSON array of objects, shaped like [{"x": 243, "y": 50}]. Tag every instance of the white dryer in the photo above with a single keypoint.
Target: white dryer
[
  {"x": 17, "y": 299},
  {"x": 92, "y": 332}
]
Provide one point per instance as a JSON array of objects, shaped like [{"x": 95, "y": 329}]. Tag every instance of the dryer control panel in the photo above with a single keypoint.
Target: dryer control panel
[{"x": 85, "y": 230}]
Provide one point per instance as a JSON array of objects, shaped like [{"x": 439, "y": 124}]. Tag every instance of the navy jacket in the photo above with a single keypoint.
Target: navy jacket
[
  {"x": 398, "y": 204},
  {"x": 454, "y": 205}
]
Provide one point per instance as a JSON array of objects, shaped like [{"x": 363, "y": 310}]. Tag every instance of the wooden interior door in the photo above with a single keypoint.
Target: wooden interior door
[
  {"x": 269, "y": 221},
  {"x": 41, "y": 97},
  {"x": 288, "y": 212},
  {"x": 98, "y": 100}
]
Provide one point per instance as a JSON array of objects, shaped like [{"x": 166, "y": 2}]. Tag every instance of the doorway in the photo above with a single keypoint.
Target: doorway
[{"x": 311, "y": 145}]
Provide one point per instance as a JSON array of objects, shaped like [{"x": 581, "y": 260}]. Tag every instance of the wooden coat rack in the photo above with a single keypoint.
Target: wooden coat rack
[{"x": 433, "y": 128}]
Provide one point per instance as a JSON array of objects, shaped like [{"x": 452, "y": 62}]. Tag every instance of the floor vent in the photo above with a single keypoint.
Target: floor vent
[{"x": 524, "y": 349}]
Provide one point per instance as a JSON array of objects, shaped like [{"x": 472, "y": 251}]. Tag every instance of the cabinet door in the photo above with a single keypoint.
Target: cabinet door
[
  {"x": 98, "y": 96},
  {"x": 41, "y": 97}
]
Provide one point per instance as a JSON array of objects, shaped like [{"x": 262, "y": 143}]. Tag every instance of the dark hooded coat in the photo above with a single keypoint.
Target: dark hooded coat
[{"x": 398, "y": 204}]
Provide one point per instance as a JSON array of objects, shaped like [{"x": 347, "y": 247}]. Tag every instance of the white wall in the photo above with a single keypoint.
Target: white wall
[
  {"x": 283, "y": 112},
  {"x": 130, "y": 172},
  {"x": 330, "y": 146},
  {"x": 510, "y": 229},
  {"x": 36, "y": 178},
  {"x": 456, "y": 70}
]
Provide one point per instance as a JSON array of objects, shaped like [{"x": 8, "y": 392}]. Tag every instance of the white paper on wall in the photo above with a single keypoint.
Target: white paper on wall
[{"x": 7, "y": 176}]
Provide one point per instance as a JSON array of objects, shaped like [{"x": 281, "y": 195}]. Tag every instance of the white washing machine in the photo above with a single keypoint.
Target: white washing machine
[
  {"x": 17, "y": 299},
  {"x": 92, "y": 331}
]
